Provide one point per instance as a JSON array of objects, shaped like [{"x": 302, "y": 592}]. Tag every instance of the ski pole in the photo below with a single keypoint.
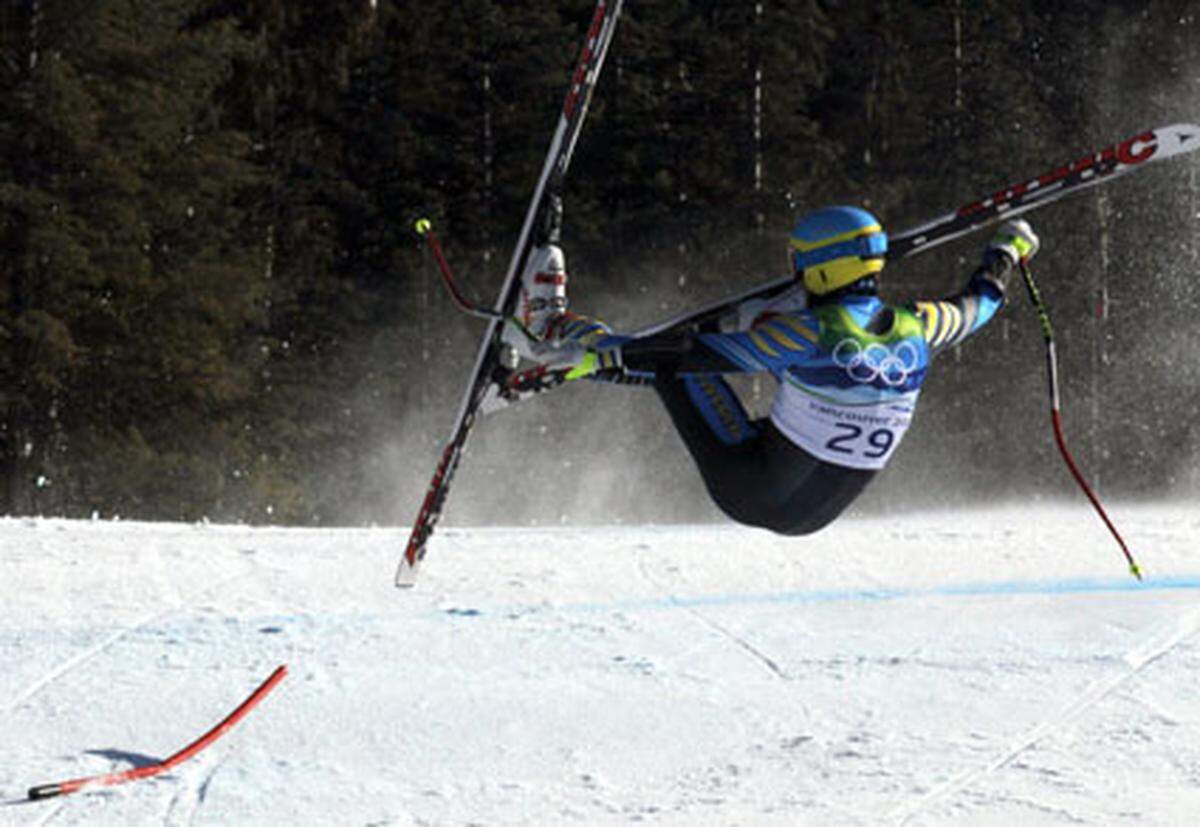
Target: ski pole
[
  {"x": 424, "y": 229},
  {"x": 158, "y": 767},
  {"x": 1035, "y": 296}
]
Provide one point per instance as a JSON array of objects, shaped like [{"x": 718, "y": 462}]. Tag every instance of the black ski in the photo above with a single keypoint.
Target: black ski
[{"x": 488, "y": 371}]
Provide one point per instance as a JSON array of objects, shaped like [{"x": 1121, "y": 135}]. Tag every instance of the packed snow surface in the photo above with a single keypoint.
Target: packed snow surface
[{"x": 983, "y": 667}]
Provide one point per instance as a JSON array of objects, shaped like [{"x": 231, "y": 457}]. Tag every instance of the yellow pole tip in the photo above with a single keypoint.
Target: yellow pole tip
[
  {"x": 1136, "y": 570},
  {"x": 423, "y": 226}
]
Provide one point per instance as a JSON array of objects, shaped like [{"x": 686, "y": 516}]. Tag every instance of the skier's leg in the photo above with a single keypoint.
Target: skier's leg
[
  {"x": 719, "y": 407},
  {"x": 754, "y": 474},
  {"x": 721, "y": 439},
  {"x": 817, "y": 492}
]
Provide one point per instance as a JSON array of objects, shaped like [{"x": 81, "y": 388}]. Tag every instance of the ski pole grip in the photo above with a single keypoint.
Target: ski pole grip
[{"x": 44, "y": 791}]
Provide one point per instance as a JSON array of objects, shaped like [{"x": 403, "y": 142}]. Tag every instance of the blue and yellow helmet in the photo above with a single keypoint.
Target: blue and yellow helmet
[{"x": 837, "y": 246}]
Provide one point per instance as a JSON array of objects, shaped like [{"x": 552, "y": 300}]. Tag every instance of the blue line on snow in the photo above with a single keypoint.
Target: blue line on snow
[{"x": 1005, "y": 588}]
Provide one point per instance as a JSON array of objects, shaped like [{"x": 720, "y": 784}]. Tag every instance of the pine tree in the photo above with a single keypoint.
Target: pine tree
[{"x": 129, "y": 299}]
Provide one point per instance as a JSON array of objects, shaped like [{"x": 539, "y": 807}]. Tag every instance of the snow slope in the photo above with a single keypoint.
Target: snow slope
[{"x": 991, "y": 667}]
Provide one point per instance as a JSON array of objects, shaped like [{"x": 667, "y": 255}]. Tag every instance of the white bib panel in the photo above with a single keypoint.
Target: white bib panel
[{"x": 860, "y": 435}]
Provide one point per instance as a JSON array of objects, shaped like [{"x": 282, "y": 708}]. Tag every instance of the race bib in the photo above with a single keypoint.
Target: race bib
[{"x": 855, "y": 436}]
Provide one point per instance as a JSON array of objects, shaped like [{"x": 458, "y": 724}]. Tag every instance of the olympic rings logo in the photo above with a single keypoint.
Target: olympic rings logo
[{"x": 892, "y": 365}]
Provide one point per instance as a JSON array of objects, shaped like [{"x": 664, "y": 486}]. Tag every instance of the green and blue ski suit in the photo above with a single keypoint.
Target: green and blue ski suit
[{"x": 850, "y": 369}]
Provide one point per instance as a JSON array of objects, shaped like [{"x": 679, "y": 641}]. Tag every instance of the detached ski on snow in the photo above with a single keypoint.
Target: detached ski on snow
[{"x": 488, "y": 370}]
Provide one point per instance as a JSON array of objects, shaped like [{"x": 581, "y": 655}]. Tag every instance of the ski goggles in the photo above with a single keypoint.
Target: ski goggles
[
  {"x": 873, "y": 245},
  {"x": 554, "y": 303}
]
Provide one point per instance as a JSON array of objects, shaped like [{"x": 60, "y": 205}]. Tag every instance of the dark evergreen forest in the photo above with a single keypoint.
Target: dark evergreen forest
[{"x": 213, "y": 304}]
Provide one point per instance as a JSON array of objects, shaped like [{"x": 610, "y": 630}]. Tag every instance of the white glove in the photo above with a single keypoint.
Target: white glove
[{"x": 1016, "y": 240}]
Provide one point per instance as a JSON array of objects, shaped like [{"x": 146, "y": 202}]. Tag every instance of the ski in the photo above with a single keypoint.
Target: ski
[
  {"x": 1059, "y": 182},
  {"x": 488, "y": 371},
  {"x": 1068, "y": 179},
  {"x": 1087, "y": 171}
]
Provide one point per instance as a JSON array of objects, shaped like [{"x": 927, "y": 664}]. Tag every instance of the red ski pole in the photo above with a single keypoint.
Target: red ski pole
[
  {"x": 205, "y": 740},
  {"x": 1035, "y": 296},
  {"x": 424, "y": 229}
]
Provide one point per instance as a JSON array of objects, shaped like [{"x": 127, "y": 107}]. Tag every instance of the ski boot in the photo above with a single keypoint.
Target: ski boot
[{"x": 542, "y": 299}]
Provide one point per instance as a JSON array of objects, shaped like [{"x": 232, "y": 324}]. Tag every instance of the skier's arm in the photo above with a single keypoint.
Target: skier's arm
[
  {"x": 589, "y": 332},
  {"x": 773, "y": 345},
  {"x": 951, "y": 320}
]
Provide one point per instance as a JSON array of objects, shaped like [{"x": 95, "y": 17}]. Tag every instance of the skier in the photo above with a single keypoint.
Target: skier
[{"x": 849, "y": 366}]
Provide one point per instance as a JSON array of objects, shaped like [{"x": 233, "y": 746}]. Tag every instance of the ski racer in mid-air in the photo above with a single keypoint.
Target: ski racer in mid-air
[{"x": 849, "y": 366}]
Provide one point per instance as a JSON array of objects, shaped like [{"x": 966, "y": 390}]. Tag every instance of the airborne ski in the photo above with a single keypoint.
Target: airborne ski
[
  {"x": 1086, "y": 171},
  {"x": 1064, "y": 180},
  {"x": 488, "y": 371},
  {"x": 1068, "y": 179}
]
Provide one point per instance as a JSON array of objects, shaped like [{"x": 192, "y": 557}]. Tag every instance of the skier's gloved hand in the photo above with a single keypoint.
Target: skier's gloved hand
[
  {"x": 1016, "y": 240},
  {"x": 594, "y": 361}
]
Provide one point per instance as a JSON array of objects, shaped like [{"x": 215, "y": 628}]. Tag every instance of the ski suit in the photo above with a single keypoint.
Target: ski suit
[{"x": 850, "y": 370}]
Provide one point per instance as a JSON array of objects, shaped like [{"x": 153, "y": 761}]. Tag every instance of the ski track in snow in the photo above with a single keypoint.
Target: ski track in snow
[
  {"x": 49, "y": 816},
  {"x": 981, "y": 667},
  {"x": 62, "y": 669},
  {"x": 192, "y": 789},
  {"x": 1156, "y": 647},
  {"x": 738, "y": 640}
]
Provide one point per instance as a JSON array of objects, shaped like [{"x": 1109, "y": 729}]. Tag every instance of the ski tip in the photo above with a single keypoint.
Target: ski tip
[
  {"x": 406, "y": 575},
  {"x": 422, "y": 226}
]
